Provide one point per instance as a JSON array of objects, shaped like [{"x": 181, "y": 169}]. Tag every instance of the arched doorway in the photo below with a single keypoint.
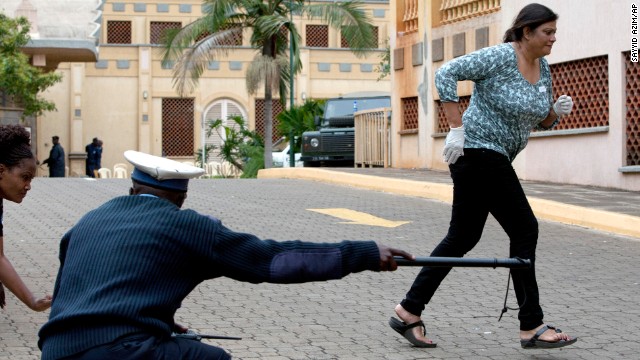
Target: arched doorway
[{"x": 219, "y": 109}]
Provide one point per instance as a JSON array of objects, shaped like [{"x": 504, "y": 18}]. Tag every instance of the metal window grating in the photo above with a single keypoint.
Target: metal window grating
[
  {"x": 260, "y": 118},
  {"x": 236, "y": 40},
  {"x": 317, "y": 36},
  {"x": 345, "y": 44},
  {"x": 410, "y": 113},
  {"x": 118, "y": 32},
  {"x": 587, "y": 82},
  {"x": 632, "y": 101},
  {"x": 158, "y": 28},
  {"x": 177, "y": 126}
]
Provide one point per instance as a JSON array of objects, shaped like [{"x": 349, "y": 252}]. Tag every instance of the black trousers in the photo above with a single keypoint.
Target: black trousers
[
  {"x": 484, "y": 182},
  {"x": 147, "y": 347}
]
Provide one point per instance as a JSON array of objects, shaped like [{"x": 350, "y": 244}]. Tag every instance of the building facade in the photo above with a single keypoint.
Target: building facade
[
  {"x": 65, "y": 32},
  {"x": 598, "y": 144},
  {"x": 127, "y": 99}
]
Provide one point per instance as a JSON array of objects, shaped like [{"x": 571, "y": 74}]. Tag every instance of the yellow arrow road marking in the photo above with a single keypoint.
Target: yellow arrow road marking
[{"x": 359, "y": 218}]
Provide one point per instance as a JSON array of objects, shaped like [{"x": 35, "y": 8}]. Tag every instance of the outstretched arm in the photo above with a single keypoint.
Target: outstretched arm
[
  {"x": 245, "y": 257},
  {"x": 10, "y": 278}
]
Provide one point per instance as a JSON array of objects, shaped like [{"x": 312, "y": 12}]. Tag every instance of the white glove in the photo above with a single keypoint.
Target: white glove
[
  {"x": 454, "y": 145},
  {"x": 563, "y": 105}
]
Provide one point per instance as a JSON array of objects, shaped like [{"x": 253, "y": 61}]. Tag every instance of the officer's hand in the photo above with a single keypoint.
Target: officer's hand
[
  {"x": 387, "y": 262},
  {"x": 179, "y": 329},
  {"x": 563, "y": 105}
]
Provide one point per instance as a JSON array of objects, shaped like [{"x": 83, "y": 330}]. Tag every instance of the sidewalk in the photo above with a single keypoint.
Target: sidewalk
[{"x": 610, "y": 210}]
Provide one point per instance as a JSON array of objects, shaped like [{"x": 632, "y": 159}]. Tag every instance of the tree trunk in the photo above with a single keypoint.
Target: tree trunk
[
  {"x": 269, "y": 49},
  {"x": 268, "y": 125}
]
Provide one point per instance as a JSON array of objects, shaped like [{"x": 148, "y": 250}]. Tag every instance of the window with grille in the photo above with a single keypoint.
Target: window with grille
[
  {"x": 158, "y": 29},
  {"x": 317, "y": 36},
  {"x": 410, "y": 113},
  {"x": 118, "y": 32},
  {"x": 260, "y": 118},
  {"x": 587, "y": 82},
  {"x": 234, "y": 40},
  {"x": 221, "y": 109},
  {"x": 345, "y": 44},
  {"x": 177, "y": 126},
  {"x": 632, "y": 95},
  {"x": 442, "y": 123}
]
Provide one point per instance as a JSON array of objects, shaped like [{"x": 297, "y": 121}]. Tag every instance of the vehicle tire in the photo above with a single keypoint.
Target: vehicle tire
[{"x": 311, "y": 163}]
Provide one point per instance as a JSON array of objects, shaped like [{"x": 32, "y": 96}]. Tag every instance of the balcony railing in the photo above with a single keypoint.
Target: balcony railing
[
  {"x": 410, "y": 16},
  {"x": 459, "y": 10}
]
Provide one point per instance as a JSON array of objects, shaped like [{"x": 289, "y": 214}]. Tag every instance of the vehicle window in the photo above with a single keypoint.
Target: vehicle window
[{"x": 345, "y": 107}]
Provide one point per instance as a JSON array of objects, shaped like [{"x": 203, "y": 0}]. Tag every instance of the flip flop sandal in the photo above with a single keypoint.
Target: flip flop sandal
[
  {"x": 536, "y": 343},
  {"x": 405, "y": 330}
]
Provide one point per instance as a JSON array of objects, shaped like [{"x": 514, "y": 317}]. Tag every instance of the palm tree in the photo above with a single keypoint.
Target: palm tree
[
  {"x": 298, "y": 119},
  {"x": 209, "y": 37}
]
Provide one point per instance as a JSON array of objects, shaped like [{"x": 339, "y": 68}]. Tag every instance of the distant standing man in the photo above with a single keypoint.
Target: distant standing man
[
  {"x": 92, "y": 151},
  {"x": 55, "y": 161},
  {"x": 99, "y": 155}
]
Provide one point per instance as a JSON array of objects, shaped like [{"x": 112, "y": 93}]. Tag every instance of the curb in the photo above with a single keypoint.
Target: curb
[{"x": 621, "y": 224}]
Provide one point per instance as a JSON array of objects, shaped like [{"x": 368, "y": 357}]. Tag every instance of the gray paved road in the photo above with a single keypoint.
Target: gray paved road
[{"x": 589, "y": 280}]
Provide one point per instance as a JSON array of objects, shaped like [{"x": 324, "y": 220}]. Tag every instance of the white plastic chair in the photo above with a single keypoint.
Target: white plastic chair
[
  {"x": 226, "y": 169},
  {"x": 120, "y": 173},
  {"x": 120, "y": 165},
  {"x": 213, "y": 168},
  {"x": 104, "y": 173}
]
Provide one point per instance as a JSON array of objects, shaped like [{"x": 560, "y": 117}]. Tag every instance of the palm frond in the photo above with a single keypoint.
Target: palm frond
[
  {"x": 194, "y": 59},
  {"x": 265, "y": 69},
  {"x": 201, "y": 41}
]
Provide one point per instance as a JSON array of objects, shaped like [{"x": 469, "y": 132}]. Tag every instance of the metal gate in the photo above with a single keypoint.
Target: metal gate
[{"x": 372, "y": 137}]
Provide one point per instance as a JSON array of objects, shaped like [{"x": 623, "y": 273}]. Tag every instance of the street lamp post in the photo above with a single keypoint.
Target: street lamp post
[{"x": 292, "y": 155}]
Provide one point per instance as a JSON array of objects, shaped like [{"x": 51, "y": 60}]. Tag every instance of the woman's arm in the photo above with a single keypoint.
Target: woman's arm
[
  {"x": 10, "y": 278},
  {"x": 550, "y": 120},
  {"x": 453, "y": 114}
]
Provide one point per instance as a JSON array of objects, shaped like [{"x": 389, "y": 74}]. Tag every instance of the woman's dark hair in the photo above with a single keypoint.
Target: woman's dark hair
[
  {"x": 14, "y": 145},
  {"x": 531, "y": 16}
]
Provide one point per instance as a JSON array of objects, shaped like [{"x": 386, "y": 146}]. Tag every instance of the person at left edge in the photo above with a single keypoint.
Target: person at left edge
[
  {"x": 126, "y": 267},
  {"x": 17, "y": 169},
  {"x": 55, "y": 161}
]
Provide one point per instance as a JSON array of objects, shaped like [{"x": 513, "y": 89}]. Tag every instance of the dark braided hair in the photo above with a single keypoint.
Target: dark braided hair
[
  {"x": 531, "y": 16},
  {"x": 14, "y": 145}
]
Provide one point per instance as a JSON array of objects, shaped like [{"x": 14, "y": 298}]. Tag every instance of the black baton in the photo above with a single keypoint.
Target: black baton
[
  {"x": 194, "y": 336},
  {"x": 512, "y": 263}
]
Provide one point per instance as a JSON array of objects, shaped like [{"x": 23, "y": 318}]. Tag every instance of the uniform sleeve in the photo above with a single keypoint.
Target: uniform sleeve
[
  {"x": 245, "y": 257},
  {"x": 475, "y": 66}
]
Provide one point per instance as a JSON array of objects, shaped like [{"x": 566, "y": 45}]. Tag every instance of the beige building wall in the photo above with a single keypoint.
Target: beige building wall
[
  {"x": 410, "y": 78},
  {"x": 119, "y": 98}
]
